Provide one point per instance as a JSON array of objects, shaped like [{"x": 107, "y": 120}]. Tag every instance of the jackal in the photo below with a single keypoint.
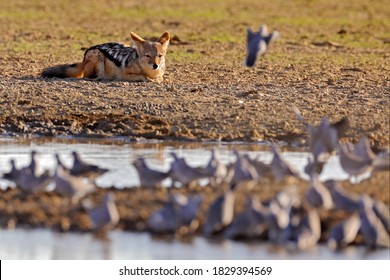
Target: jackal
[{"x": 143, "y": 61}]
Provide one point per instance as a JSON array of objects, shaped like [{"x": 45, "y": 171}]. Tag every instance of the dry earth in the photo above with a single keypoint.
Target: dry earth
[{"x": 207, "y": 93}]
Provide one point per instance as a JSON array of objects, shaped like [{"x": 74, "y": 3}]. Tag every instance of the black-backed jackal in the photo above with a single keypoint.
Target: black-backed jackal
[{"x": 143, "y": 61}]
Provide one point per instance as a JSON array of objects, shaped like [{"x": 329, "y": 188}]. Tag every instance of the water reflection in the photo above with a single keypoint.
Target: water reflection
[
  {"x": 45, "y": 244},
  {"x": 118, "y": 155}
]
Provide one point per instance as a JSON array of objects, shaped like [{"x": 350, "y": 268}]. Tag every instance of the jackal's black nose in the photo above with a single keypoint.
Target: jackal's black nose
[{"x": 155, "y": 66}]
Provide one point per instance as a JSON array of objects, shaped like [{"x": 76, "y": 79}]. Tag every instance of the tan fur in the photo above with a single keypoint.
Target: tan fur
[{"x": 149, "y": 65}]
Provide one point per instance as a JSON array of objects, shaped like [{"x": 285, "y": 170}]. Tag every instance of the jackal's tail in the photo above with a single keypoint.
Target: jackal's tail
[{"x": 64, "y": 71}]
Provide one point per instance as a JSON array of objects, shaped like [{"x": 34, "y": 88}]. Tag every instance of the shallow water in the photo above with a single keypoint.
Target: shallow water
[
  {"x": 117, "y": 156},
  {"x": 45, "y": 244}
]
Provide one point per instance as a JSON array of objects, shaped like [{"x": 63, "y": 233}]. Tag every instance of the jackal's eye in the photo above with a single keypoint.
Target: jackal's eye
[
  {"x": 148, "y": 55},
  {"x": 160, "y": 55}
]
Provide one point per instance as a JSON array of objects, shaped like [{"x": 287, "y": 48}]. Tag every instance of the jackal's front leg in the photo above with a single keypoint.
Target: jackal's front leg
[{"x": 135, "y": 78}]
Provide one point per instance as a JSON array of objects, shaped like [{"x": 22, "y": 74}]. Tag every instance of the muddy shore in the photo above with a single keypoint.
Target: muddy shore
[{"x": 135, "y": 205}]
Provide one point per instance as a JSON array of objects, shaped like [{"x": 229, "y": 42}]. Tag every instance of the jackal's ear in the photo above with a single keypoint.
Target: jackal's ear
[
  {"x": 136, "y": 39},
  {"x": 164, "y": 39}
]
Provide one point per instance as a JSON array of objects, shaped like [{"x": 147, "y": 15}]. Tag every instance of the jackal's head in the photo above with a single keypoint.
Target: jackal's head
[{"x": 151, "y": 54}]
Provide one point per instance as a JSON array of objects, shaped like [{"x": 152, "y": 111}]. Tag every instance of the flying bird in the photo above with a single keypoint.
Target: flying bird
[
  {"x": 324, "y": 138},
  {"x": 342, "y": 199},
  {"x": 257, "y": 43},
  {"x": 352, "y": 163},
  {"x": 318, "y": 195},
  {"x": 72, "y": 187},
  {"x": 359, "y": 159}
]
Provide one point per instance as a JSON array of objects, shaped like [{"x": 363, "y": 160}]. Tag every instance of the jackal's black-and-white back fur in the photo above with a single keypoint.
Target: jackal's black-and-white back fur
[{"x": 142, "y": 61}]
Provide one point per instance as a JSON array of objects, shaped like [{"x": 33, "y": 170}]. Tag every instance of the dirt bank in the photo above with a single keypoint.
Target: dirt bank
[
  {"x": 207, "y": 92},
  {"x": 135, "y": 205}
]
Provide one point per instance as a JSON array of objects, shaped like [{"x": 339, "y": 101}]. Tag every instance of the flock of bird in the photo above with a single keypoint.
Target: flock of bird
[
  {"x": 72, "y": 184},
  {"x": 287, "y": 219}
]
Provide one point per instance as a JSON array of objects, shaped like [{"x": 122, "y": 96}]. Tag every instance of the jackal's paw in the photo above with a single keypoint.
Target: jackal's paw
[{"x": 156, "y": 80}]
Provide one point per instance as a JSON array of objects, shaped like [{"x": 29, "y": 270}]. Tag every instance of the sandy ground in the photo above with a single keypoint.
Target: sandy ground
[
  {"x": 200, "y": 102},
  {"x": 207, "y": 93}
]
